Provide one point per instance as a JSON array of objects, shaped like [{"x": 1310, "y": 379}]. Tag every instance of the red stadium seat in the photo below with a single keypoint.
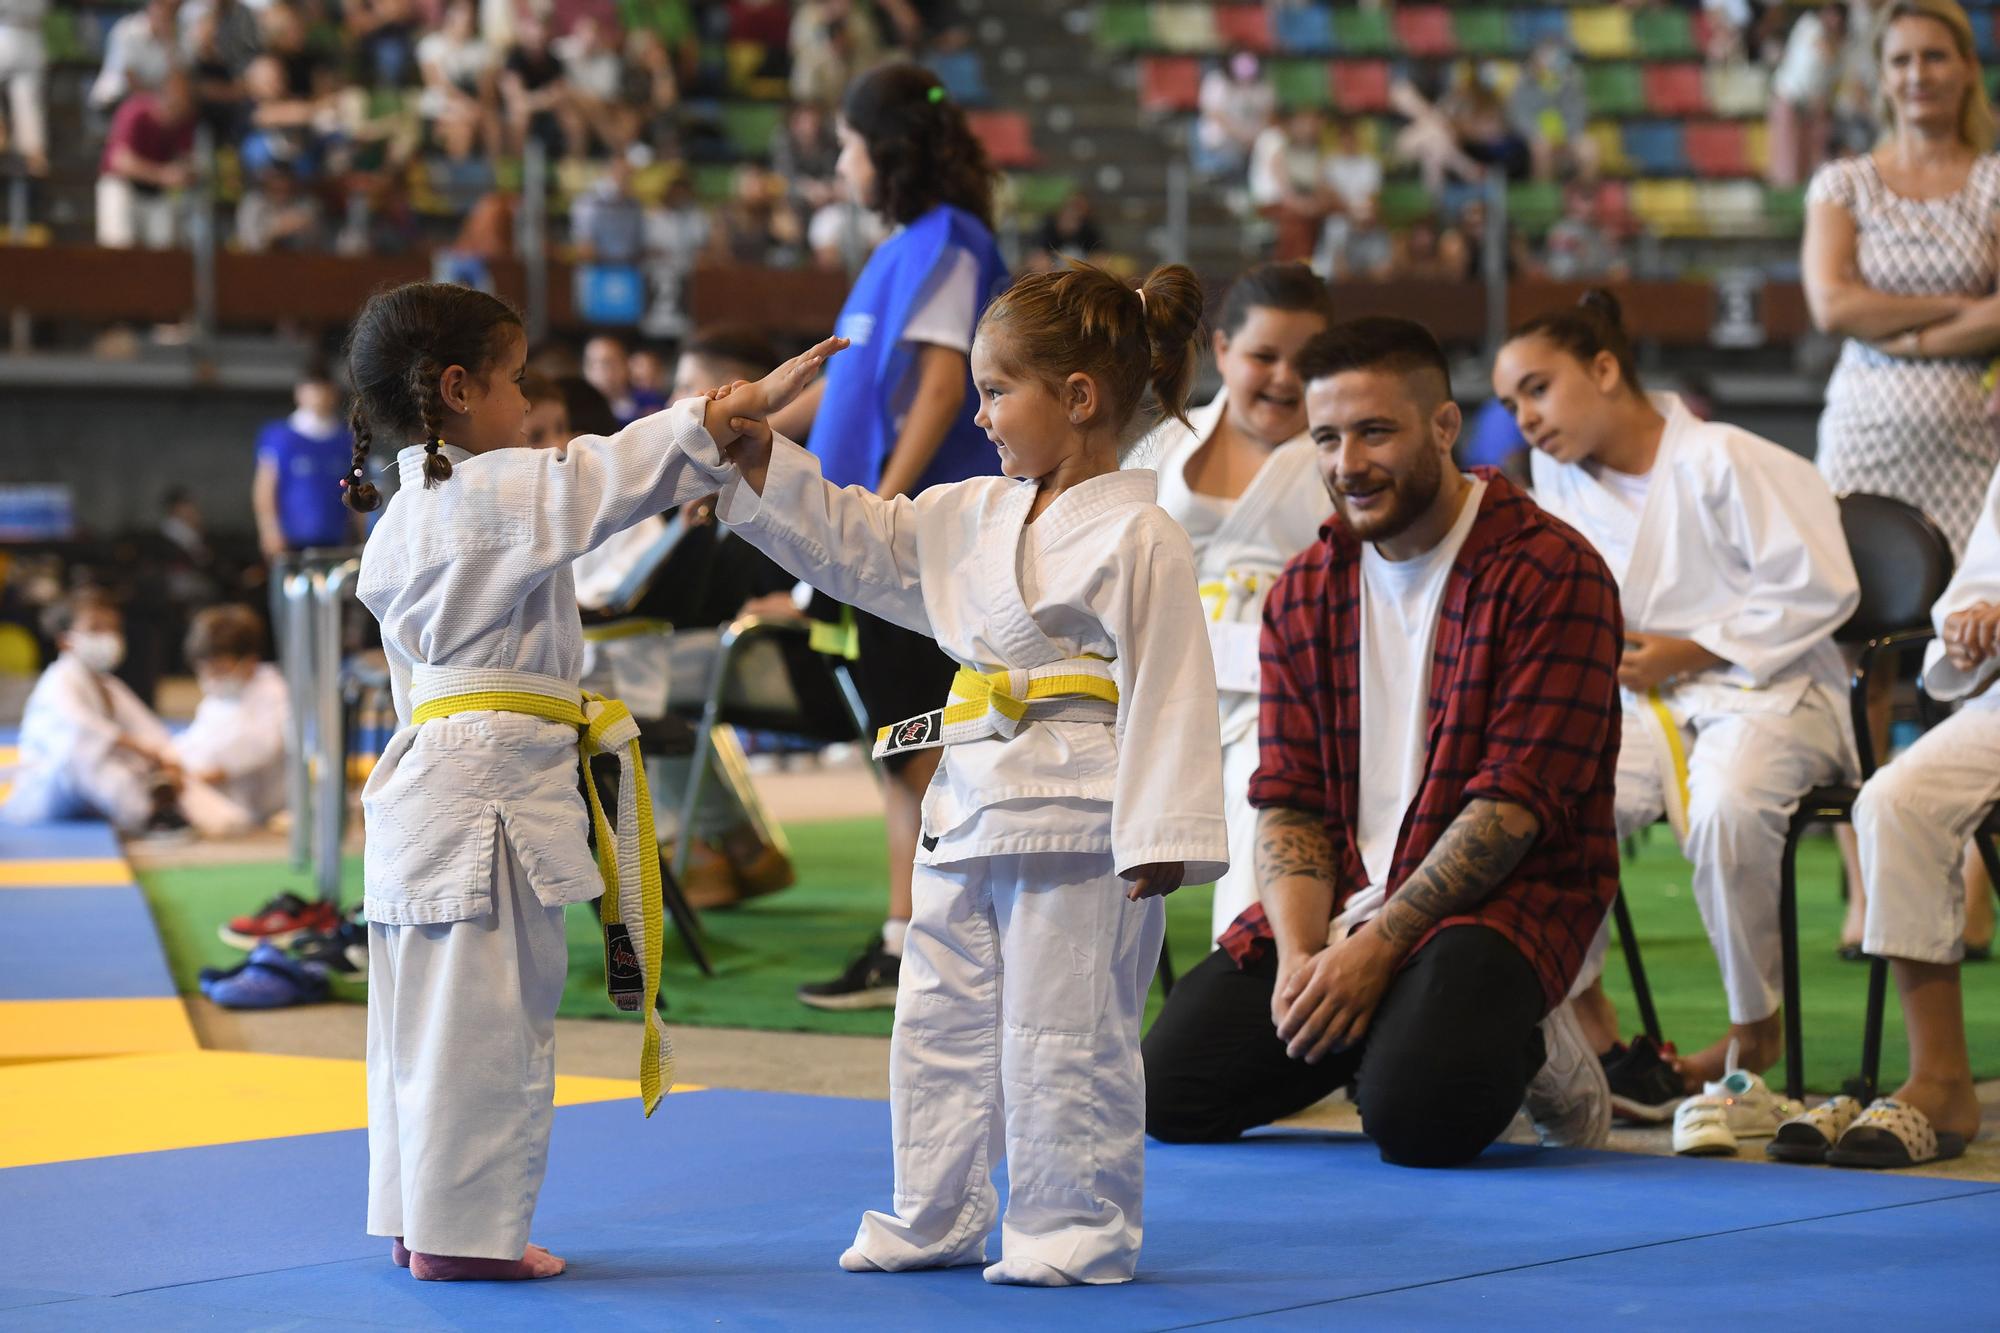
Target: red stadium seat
[
  {"x": 1007, "y": 138},
  {"x": 1426, "y": 30},
  {"x": 1169, "y": 83},
  {"x": 1614, "y": 208},
  {"x": 1675, "y": 90},
  {"x": 1244, "y": 25},
  {"x": 1360, "y": 86},
  {"x": 1719, "y": 148}
]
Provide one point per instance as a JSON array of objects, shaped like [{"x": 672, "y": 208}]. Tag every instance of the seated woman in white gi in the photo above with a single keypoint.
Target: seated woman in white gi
[
  {"x": 236, "y": 742},
  {"x": 1734, "y": 573},
  {"x": 1241, "y": 477}
]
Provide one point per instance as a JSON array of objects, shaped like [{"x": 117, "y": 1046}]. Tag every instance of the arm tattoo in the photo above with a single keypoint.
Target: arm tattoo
[
  {"x": 1292, "y": 843},
  {"x": 1479, "y": 850}
]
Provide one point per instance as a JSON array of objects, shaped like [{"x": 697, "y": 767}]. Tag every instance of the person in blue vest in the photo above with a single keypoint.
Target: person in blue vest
[
  {"x": 894, "y": 412},
  {"x": 301, "y": 462}
]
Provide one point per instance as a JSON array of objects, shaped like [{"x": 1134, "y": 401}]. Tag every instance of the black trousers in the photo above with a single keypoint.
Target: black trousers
[{"x": 1439, "y": 1075}]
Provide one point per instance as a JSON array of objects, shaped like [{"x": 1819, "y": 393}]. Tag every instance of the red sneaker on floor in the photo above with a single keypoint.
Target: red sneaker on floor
[{"x": 279, "y": 922}]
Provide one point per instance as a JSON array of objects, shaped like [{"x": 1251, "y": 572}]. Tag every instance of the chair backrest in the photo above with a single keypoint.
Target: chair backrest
[{"x": 1901, "y": 559}]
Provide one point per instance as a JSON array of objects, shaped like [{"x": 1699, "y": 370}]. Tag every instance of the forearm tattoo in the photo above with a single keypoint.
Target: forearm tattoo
[
  {"x": 1292, "y": 843},
  {"x": 1479, "y": 850}
]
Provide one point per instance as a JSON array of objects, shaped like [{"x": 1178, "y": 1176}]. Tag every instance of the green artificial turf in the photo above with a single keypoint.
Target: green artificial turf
[{"x": 762, "y": 951}]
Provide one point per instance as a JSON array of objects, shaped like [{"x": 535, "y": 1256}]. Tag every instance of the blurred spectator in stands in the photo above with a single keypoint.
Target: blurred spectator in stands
[
  {"x": 1579, "y": 247},
  {"x": 831, "y": 41},
  {"x": 238, "y": 34},
  {"x": 678, "y": 232},
  {"x": 1802, "y": 91},
  {"x": 461, "y": 78},
  {"x": 803, "y": 150},
  {"x": 1855, "y": 127},
  {"x": 653, "y": 90},
  {"x": 842, "y": 234},
  {"x": 383, "y": 36},
  {"x": 138, "y": 51},
  {"x": 595, "y": 69},
  {"x": 308, "y": 70},
  {"x": 1071, "y": 232},
  {"x": 186, "y": 562},
  {"x": 608, "y": 367},
  {"x": 1236, "y": 102},
  {"x": 380, "y": 220},
  {"x": 24, "y": 60},
  {"x": 148, "y": 160},
  {"x": 1548, "y": 111},
  {"x": 283, "y": 129},
  {"x": 1430, "y": 139},
  {"x": 1288, "y": 182},
  {"x": 607, "y": 225},
  {"x": 221, "y": 100},
  {"x": 649, "y": 375},
  {"x": 1352, "y": 172},
  {"x": 181, "y": 524},
  {"x": 1427, "y": 252},
  {"x": 766, "y": 24},
  {"x": 275, "y": 214},
  {"x": 1472, "y": 223},
  {"x": 535, "y": 94},
  {"x": 1356, "y": 247},
  {"x": 1485, "y": 135},
  {"x": 295, "y": 493},
  {"x": 757, "y": 225}
]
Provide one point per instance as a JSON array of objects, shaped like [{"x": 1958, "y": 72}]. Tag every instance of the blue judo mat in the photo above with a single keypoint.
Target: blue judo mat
[
  {"x": 729, "y": 1209},
  {"x": 79, "y": 944}
]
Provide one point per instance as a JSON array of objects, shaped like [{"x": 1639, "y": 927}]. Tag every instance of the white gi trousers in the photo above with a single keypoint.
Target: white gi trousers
[
  {"x": 1237, "y": 889},
  {"x": 118, "y": 789},
  {"x": 24, "y": 64},
  {"x": 1023, "y": 988},
  {"x": 1913, "y": 820},
  {"x": 461, "y": 1071},
  {"x": 1746, "y": 773}
]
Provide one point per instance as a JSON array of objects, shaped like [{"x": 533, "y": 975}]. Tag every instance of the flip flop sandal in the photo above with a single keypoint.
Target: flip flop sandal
[
  {"x": 1852, "y": 953},
  {"x": 1808, "y": 1137},
  {"x": 1889, "y": 1135},
  {"x": 1978, "y": 953},
  {"x": 267, "y": 980}
]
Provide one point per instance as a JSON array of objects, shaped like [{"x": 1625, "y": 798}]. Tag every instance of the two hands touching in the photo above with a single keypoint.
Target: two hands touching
[{"x": 1972, "y": 636}]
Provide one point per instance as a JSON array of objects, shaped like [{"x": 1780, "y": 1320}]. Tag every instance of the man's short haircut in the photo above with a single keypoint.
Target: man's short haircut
[{"x": 1377, "y": 342}]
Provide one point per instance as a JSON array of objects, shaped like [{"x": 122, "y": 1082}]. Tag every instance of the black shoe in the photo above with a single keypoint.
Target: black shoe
[
  {"x": 868, "y": 983},
  {"x": 342, "y": 951},
  {"x": 1644, "y": 1087},
  {"x": 166, "y": 825}
]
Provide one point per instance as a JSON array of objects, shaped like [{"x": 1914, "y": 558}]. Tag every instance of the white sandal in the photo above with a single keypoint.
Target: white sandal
[
  {"x": 1808, "y": 1137},
  {"x": 1890, "y": 1135}
]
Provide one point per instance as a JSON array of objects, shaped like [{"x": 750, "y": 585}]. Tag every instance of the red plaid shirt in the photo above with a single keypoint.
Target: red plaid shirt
[{"x": 1523, "y": 708}]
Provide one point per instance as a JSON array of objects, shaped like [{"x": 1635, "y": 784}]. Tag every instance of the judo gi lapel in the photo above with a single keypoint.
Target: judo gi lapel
[{"x": 1012, "y": 625}]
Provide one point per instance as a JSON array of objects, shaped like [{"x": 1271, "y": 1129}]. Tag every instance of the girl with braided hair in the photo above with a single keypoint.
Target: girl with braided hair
[{"x": 477, "y": 830}]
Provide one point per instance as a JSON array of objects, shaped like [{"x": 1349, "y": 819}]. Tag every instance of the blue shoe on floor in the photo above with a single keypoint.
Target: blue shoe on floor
[{"x": 267, "y": 979}]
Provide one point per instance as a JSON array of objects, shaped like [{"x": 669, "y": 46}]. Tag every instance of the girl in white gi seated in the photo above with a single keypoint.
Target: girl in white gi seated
[
  {"x": 90, "y": 749},
  {"x": 1081, "y": 776},
  {"x": 1912, "y": 821},
  {"x": 476, "y": 828},
  {"x": 236, "y": 742},
  {"x": 1733, "y": 573},
  {"x": 1240, "y": 475}
]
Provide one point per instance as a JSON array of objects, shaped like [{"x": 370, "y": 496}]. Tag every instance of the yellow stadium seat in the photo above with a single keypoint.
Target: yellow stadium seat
[
  {"x": 1603, "y": 33},
  {"x": 1501, "y": 76},
  {"x": 1611, "y": 159},
  {"x": 18, "y": 654},
  {"x": 1757, "y": 145},
  {"x": 1666, "y": 207},
  {"x": 1186, "y": 28}
]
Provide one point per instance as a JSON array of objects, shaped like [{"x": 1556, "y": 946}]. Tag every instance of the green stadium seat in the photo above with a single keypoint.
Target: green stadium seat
[
  {"x": 1363, "y": 32},
  {"x": 1533, "y": 205},
  {"x": 1360, "y": 86},
  {"x": 1664, "y": 34},
  {"x": 1169, "y": 83},
  {"x": 1404, "y": 202},
  {"x": 1243, "y": 25},
  {"x": 1785, "y": 207},
  {"x": 1186, "y": 27},
  {"x": 714, "y": 183},
  {"x": 60, "y": 38},
  {"x": 1482, "y": 32},
  {"x": 749, "y": 126},
  {"x": 1614, "y": 89},
  {"x": 1603, "y": 33},
  {"x": 1426, "y": 30},
  {"x": 1124, "y": 26},
  {"x": 1038, "y": 193},
  {"x": 1675, "y": 90},
  {"x": 1300, "y": 83}
]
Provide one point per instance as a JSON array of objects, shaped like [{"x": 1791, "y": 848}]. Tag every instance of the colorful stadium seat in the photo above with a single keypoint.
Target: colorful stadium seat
[
  {"x": 1738, "y": 90},
  {"x": 1169, "y": 83},
  {"x": 1185, "y": 27},
  {"x": 1785, "y": 207},
  {"x": 1008, "y": 140},
  {"x": 1124, "y": 26},
  {"x": 1664, "y": 34},
  {"x": 1729, "y": 208},
  {"x": 1482, "y": 32},
  {"x": 1669, "y": 207},
  {"x": 1614, "y": 207},
  {"x": 1359, "y": 31},
  {"x": 1675, "y": 90},
  {"x": 1360, "y": 86},
  {"x": 1426, "y": 30},
  {"x": 1614, "y": 90},
  {"x": 1610, "y": 141},
  {"x": 1757, "y": 146},
  {"x": 1603, "y": 33},
  {"x": 1718, "y": 148},
  {"x": 1243, "y": 25},
  {"x": 963, "y": 75},
  {"x": 1303, "y": 29},
  {"x": 748, "y": 126},
  {"x": 1403, "y": 202},
  {"x": 1533, "y": 205},
  {"x": 1656, "y": 148},
  {"x": 1534, "y": 26},
  {"x": 1299, "y": 83}
]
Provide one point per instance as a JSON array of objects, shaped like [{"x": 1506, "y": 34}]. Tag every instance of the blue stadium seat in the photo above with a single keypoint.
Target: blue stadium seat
[
  {"x": 1533, "y": 26},
  {"x": 1656, "y": 148},
  {"x": 1303, "y": 29},
  {"x": 962, "y": 76}
]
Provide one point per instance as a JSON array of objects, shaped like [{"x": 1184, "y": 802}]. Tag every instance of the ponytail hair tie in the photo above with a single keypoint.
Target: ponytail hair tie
[
  {"x": 1141, "y": 293},
  {"x": 936, "y": 94}
]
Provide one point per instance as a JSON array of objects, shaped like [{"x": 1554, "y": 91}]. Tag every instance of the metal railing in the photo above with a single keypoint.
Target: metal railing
[{"x": 310, "y": 591}]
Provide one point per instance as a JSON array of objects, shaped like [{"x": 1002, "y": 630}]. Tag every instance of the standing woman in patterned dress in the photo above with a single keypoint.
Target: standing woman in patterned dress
[{"x": 1902, "y": 256}]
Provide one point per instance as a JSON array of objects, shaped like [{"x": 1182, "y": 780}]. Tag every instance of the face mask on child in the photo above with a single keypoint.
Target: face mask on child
[{"x": 100, "y": 650}]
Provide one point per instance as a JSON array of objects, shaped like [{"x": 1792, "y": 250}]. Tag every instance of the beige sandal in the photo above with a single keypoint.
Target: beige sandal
[
  {"x": 1808, "y": 1137},
  {"x": 1890, "y": 1135}
]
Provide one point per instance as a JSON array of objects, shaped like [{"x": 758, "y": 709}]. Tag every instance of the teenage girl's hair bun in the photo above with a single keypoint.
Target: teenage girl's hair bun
[
  {"x": 1173, "y": 301},
  {"x": 1601, "y": 303}
]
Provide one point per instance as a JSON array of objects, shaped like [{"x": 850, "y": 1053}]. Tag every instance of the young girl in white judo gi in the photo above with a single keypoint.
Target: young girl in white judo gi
[
  {"x": 1240, "y": 476},
  {"x": 1081, "y": 775},
  {"x": 236, "y": 741},
  {"x": 1734, "y": 574},
  {"x": 476, "y": 829}
]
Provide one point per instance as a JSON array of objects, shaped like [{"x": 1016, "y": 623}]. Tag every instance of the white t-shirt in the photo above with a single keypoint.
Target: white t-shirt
[
  {"x": 462, "y": 62},
  {"x": 944, "y": 315},
  {"x": 1356, "y": 178},
  {"x": 1400, "y": 601},
  {"x": 1277, "y": 163},
  {"x": 1616, "y": 547}
]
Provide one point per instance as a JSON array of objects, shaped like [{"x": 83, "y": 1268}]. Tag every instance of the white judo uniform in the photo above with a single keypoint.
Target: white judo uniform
[
  {"x": 1734, "y": 542},
  {"x": 1916, "y": 813},
  {"x": 243, "y": 737},
  {"x": 1240, "y": 548},
  {"x": 1025, "y": 969},
  {"x": 72, "y": 766},
  {"x": 476, "y": 826},
  {"x": 625, "y": 660}
]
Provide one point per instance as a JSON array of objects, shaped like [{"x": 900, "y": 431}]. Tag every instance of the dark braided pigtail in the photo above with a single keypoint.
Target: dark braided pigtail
[
  {"x": 362, "y": 497},
  {"x": 427, "y": 395}
]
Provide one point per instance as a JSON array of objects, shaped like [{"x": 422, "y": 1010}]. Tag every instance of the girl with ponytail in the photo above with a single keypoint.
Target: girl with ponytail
[
  {"x": 1733, "y": 574},
  {"x": 1081, "y": 777}
]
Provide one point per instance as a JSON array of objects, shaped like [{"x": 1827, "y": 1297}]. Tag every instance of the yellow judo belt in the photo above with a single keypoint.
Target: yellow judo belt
[
  {"x": 614, "y": 630},
  {"x": 1673, "y": 763},
  {"x": 1217, "y": 594},
  {"x": 628, "y": 857},
  {"x": 999, "y": 703}
]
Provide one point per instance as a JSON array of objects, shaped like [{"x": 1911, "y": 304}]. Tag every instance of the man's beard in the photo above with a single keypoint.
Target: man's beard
[{"x": 1410, "y": 498}]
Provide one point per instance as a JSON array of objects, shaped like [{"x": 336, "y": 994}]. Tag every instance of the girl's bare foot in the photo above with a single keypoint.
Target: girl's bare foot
[
  {"x": 399, "y": 1253},
  {"x": 1758, "y": 1046},
  {"x": 536, "y": 1262}
]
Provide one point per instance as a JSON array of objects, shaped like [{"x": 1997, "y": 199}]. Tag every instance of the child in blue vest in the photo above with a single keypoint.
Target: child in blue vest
[{"x": 894, "y": 413}]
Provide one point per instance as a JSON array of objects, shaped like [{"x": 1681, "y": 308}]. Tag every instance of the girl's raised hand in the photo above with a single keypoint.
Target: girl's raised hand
[{"x": 789, "y": 380}]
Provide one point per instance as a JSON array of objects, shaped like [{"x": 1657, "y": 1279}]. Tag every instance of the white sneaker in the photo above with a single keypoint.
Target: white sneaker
[
  {"x": 1569, "y": 1098},
  {"x": 1739, "y": 1106}
]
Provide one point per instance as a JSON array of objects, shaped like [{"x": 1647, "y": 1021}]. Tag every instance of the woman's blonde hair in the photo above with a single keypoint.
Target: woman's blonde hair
[{"x": 1975, "y": 113}]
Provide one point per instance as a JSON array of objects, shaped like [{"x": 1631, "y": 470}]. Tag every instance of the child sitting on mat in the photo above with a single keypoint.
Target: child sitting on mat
[{"x": 236, "y": 742}]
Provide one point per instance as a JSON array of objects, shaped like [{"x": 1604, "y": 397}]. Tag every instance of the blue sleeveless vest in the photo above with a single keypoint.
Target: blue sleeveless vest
[{"x": 855, "y": 430}]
